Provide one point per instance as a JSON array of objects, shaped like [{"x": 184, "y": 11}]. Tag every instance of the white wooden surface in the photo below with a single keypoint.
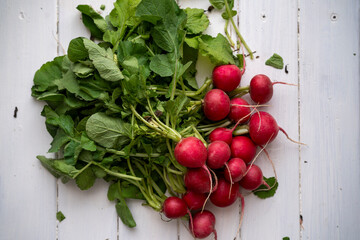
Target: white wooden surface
[{"x": 319, "y": 40}]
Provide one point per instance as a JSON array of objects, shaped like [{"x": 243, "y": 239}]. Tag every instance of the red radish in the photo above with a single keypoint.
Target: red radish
[
  {"x": 243, "y": 147},
  {"x": 191, "y": 152},
  {"x": 194, "y": 200},
  {"x": 225, "y": 194},
  {"x": 203, "y": 224},
  {"x": 221, "y": 134},
  {"x": 253, "y": 178},
  {"x": 218, "y": 154},
  {"x": 239, "y": 110},
  {"x": 226, "y": 77},
  {"x": 197, "y": 180},
  {"x": 174, "y": 207},
  {"x": 216, "y": 105},
  {"x": 236, "y": 170},
  {"x": 263, "y": 128},
  {"x": 261, "y": 89}
]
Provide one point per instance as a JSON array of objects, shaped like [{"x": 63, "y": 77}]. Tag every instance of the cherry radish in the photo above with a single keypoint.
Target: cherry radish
[
  {"x": 225, "y": 194},
  {"x": 203, "y": 224},
  {"x": 226, "y": 77},
  {"x": 235, "y": 171},
  {"x": 261, "y": 88},
  {"x": 194, "y": 200},
  {"x": 216, "y": 105},
  {"x": 239, "y": 110},
  {"x": 221, "y": 134},
  {"x": 197, "y": 180},
  {"x": 253, "y": 178},
  {"x": 244, "y": 148},
  {"x": 191, "y": 152},
  {"x": 218, "y": 154},
  {"x": 174, "y": 207}
]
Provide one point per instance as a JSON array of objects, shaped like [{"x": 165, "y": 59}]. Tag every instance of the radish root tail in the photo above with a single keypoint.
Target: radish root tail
[
  {"x": 211, "y": 186},
  {"x": 231, "y": 181},
  {"x": 291, "y": 84},
  {"x": 287, "y": 136},
  {"x": 242, "y": 212}
]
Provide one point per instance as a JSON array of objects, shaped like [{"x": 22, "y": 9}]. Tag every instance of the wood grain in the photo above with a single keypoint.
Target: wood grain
[
  {"x": 27, "y": 190},
  {"x": 329, "y": 105},
  {"x": 271, "y": 27}
]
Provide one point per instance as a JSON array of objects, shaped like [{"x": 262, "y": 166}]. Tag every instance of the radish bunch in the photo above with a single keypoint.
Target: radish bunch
[{"x": 229, "y": 157}]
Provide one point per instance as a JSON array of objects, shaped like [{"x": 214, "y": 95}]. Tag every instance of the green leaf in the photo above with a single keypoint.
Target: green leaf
[
  {"x": 44, "y": 77},
  {"x": 60, "y": 216},
  {"x": 217, "y": 49},
  {"x": 167, "y": 34},
  {"x": 108, "y": 131},
  {"x": 53, "y": 97},
  {"x": 121, "y": 16},
  {"x": 135, "y": 86},
  {"x": 68, "y": 82},
  {"x": 225, "y": 15},
  {"x": 113, "y": 192},
  {"x": 128, "y": 48},
  {"x": 71, "y": 152},
  {"x": 190, "y": 55},
  {"x": 275, "y": 61},
  {"x": 163, "y": 64},
  {"x": 218, "y": 4},
  {"x": 124, "y": 213},
  {"x": 58, "y": 167},
  {"x": 82, "y": 71},
  {"x": 102, "y": 7},
  {"x": 86, "y": 179},
  {"x": 99, "y": 172},
  {"x": 59, "y": 140},
  {"x": 76, "y": 50},
  {"x": 197, "y": 21},
  {"x": 286, "y": 238},
  {"x": 103, "y": 61},
  {"x": 263, "y": 192},
  {"x": 175, "y": 106},
  {"x": 86, "y": 143},
  {"x": 93, "y": 21},
  {"x": 193, "y": 42},
  {"x": 67, "y": 124}
]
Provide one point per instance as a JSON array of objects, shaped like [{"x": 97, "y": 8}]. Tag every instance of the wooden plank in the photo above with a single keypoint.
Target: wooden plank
[
  {"x": 329, "y": 83},
  {"x": 89, "y": 214},
  {"x": 271, "y": 27},
  {"x": 27, "y": 190}
]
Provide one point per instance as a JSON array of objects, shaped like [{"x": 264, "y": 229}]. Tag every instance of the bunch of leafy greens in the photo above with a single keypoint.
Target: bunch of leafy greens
[{"x": 116, "y": 109}]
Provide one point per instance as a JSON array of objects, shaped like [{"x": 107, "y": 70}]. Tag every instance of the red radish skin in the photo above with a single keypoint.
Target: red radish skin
[
  {"x": 239, "y": 110},
  {"x": 174, "y": 207},
  {"x": 221, "y": 134},
  {"x": 216, "y": 105},
  {"x": 203, "y": 224},
  {"x": 197, "y": 180},
  {"x": 263, "y": 128},
  {"x": 194, "y": 200},
  {"x": 191, "y": 152},
  {"x": 244, "y": 148},
  {"x": 253, "y": 178},
  {"x": 225, "y": 194},
  {"x": 261, "y": 89},
  {"x": 226, "y": 77},
  {"x": 218, "y": 154},
  {"x": 236, "y": 169}
]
